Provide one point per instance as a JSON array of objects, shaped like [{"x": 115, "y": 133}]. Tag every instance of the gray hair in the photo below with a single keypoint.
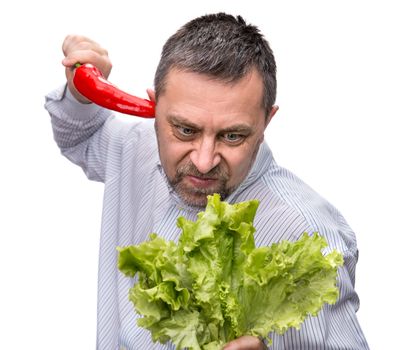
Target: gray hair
[{"x": 223, "y": 47}]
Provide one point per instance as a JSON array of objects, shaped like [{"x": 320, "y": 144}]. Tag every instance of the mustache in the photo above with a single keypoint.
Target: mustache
[{"x": 190, "y": 169}]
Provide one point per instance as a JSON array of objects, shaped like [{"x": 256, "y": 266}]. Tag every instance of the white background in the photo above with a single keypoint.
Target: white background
[{"x": 344, "y": 72}]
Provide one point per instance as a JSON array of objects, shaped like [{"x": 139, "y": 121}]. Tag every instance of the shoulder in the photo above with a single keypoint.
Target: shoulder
[
  {"x": 129, "y": 127},
  {"x": 130, "y": 145},
  {"x": 289, "y": 207},
  {"x": 128, "y": 132}
]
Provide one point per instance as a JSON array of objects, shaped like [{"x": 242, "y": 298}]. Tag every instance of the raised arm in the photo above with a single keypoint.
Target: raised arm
[{"x": 86, "y": 134}]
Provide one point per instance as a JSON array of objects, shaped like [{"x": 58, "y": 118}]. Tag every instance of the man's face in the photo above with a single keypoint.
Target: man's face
[{"x": 209, "y": 133}]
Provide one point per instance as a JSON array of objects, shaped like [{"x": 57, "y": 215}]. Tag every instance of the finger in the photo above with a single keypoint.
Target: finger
[
  {"x": 151, "y": 94},
  {"x": 72, "y": 40},
  {"x": 88, "y": 56},
  {"x": 82, "y": 56},
  {"x": 78, "y": 43},
  {"x": 88, "y": 46},
  {"x": 246, "y": 342}
]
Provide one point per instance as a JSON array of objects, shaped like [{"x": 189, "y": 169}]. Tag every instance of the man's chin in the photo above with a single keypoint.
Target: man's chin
[
  {"x": 195, "y": 196},
  {"x": 196, "y": 199},
  {"x": 193, "y": 199}
]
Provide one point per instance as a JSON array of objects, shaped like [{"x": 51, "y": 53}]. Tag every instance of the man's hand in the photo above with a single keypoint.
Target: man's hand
[
  {"x": 80, "y": 49},
  {"x": 246, "y": 342}
]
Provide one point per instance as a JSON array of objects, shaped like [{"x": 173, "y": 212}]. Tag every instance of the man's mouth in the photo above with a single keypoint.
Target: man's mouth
[{"x": 201, "y": 182}]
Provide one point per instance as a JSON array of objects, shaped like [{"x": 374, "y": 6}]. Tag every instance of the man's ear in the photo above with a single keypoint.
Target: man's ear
[
  {"x": 151, "y": 94},
  {"x": 271, "y": 114}
]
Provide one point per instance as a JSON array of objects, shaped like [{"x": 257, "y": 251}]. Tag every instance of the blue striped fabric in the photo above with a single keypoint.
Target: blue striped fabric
[{"x": 122, "y": 153}]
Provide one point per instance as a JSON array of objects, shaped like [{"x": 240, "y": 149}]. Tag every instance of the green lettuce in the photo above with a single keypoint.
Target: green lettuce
[{"x": 215, "y": 285}]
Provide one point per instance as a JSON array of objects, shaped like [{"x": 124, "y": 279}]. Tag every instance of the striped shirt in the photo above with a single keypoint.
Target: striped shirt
[{"x": 122, "y": 153}]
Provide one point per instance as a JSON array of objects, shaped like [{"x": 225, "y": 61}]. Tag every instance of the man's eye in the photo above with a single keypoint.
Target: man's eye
[
  {"x": 184, "y": 131},
  {"x": 233, "y": 138}
]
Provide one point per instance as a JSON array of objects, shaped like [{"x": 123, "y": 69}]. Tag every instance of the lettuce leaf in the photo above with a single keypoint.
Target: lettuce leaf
[{"x": 215, "y": 285}]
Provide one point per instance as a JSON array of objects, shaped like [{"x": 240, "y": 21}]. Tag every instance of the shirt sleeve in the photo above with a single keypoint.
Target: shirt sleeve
[
  {"x": 335, "y": 327},
  {"x": 88, "y": 135}
]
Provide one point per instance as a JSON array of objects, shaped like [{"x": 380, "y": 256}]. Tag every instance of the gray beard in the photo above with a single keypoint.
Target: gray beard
[{"x": 198, "y": 196}]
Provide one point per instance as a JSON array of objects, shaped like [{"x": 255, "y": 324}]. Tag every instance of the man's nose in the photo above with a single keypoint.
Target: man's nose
[{"x": 205, "y": 156}]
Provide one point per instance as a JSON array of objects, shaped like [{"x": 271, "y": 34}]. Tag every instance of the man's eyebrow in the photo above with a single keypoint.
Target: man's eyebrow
[
  {"x": 179, "y": 120},
  {"x": 244, "y": 128}
]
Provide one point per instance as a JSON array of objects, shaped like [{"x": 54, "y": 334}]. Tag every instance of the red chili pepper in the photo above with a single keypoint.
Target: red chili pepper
[{"x": 90, "y": 82}]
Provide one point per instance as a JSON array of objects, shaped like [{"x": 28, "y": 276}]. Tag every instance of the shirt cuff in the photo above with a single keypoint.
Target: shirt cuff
[{"x": 62, "y": 103}]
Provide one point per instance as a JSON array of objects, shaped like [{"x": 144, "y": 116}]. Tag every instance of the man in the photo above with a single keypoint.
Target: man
[{"x": 215, "y": 90}]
